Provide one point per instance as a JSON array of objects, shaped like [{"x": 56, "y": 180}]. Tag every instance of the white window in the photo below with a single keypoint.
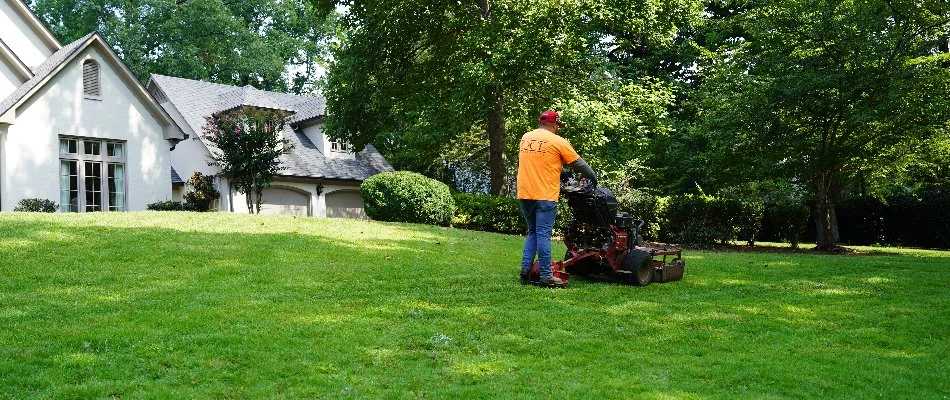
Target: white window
[
  {"x": 91, "y": 175},
  {"x": 90, "y": 80},
  {"x": 340, "y": 146}
]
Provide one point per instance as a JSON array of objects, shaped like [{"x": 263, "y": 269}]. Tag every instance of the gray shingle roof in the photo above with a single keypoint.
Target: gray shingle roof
[
  {"x": 196, "y": 100},
  {"x": 42, "y": 72},
  {"x": 176, "y": 180}
]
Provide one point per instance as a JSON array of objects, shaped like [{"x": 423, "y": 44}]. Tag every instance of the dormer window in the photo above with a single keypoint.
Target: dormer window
[
  {"x": 339, "y": 145},
  {"x": 90, "y": 80}
]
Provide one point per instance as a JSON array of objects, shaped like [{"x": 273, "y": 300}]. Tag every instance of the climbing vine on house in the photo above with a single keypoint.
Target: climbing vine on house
[{"x": 247, "y": 144}]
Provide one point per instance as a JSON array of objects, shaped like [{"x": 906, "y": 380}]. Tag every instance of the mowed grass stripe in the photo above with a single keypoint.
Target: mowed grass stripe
[{"x": 186, "y": 305}]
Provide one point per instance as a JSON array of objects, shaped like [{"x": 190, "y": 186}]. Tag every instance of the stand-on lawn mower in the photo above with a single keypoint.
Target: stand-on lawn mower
[{"x": 601, "y": 240}]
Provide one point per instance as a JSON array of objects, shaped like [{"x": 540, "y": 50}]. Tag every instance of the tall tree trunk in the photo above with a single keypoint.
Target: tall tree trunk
[
  {"x": 826, "y": 221},
  {"x": 497, "y": 158},
  {"x": 497, "y": 137}
]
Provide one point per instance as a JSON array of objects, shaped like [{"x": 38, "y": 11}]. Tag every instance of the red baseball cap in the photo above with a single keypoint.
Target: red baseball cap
[{"x": 551, "y": 117}]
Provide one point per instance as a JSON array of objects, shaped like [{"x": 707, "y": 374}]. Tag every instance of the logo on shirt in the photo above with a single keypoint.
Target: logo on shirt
[{"x": 534, "y": 145}]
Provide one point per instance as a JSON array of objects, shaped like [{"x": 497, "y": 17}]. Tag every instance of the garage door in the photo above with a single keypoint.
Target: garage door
[
  {"x": 345, "y": 204},
  {"x": 282, "y": 201}
]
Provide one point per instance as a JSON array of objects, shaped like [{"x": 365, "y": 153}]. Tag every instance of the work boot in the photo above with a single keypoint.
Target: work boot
[
  {"x": 552, "y": 281},
  {"x": 524, "y": 277}
]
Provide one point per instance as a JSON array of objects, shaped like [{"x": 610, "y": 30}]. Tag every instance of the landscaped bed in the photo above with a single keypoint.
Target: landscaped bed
[{"x": 187, "y": 305}]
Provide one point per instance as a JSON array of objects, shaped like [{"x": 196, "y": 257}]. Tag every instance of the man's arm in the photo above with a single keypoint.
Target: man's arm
[{"x": 581, "y": 166}]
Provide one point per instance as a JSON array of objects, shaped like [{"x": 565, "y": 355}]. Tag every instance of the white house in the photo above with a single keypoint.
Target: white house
[
  {"x": 320, "y": 177},
  {"x": 76, "y": 127}
]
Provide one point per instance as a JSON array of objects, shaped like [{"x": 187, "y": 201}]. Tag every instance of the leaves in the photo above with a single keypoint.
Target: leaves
[
  {"x": 271, "y": 45},
  {"x": 246, "y": 144}
]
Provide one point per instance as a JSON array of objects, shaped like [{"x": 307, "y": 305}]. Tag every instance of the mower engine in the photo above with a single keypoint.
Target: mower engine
[{"x": 601, "y": 240}]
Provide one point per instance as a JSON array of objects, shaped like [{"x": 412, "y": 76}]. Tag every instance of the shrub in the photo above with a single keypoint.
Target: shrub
[
  {"x": 482, "y": 212},
  {"x": 36, "y": 205},
  {"x": 686, "y": 219},
  {"x": 748, "y": 220},
  {"x": 203, "y": 193},
  {"x": 788, "y": 221},
  {"x": 699, "y": 220},
  {"x": 169, "y": 205},
  {"x": 488, "y": 213},
  {"x": 643, "y": 206},
  {"x": 404, "y": 196}
]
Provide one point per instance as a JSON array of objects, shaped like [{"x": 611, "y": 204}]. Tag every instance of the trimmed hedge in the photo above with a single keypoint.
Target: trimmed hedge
[
  {"x": 482, "y": 212},
  {"x": 918, "y": 221},
  {"x": 692, "y": 220},
  {"x": 786, "y": 221},
  {"x": 487, "y": 213},
  {"x": 169, "y": 205},
  {"x": 404, "y": 196},
  {"x": 36, "y": 205}
]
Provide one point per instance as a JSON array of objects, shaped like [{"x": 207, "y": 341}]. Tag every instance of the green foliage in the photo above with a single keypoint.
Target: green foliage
[
  {"x": 641, "y": 205},
  {"x": 701, "y": 220},
  {"x": 169, "y": 205},
  {"x": 488, "y": 213},
  {"x": 788, "y": 220},
  {"x": 612, "y": 125},
  {"x": 203, "y": 193},
  {"x": 920, "y": 220},
  {"x": 816, "y": 91},
  {"x": 272, "y": 45},
  {"x": 482, "y": 212},
  {"x": 36, "y": 205},
  {"x": 403, "y": 196},
  {"x": 474, "y": 77},
  {"x": 246, "y": 145}
]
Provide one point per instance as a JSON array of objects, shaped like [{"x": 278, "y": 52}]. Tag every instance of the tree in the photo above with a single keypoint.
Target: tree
[
  {"x": 270, "y": 45},
  {"x": 819, "y": 90},
  {"x": 203, "y": 193},
  {"x": 246, "y": 145},
  {"x": 411, "y": 76}
]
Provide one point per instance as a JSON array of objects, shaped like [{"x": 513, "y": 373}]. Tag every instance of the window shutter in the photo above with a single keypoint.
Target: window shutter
[{"x": 90, "y": 78}]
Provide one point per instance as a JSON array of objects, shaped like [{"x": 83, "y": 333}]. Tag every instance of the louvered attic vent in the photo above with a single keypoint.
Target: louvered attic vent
[{"x": 90, "y": 79}]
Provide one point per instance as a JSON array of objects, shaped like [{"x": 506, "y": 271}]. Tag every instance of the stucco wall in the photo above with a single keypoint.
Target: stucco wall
[
  {"x": 18, "y": 35},
  {"x": 315, "y": 134},
  {"x": 32, "y": 143},
  {"x": 9, "y": 80}
]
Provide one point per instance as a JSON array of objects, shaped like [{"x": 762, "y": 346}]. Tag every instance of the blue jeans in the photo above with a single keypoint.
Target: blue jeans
[{"x": 539, "y": 215}]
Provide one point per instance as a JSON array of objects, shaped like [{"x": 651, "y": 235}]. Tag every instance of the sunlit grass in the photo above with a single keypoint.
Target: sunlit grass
[{"x": 184, "y": 305}]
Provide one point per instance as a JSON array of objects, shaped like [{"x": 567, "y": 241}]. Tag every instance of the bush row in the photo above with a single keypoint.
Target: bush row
[
  {"x": 498, "y": 214},
  {"x": 915, "y": 221},
  {"x": 697, "y": 220},
  {"x": 689, "y": 219}
]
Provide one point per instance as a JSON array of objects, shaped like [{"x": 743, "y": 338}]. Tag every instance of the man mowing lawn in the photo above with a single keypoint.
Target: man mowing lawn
[{"x": 541, "y": 157}]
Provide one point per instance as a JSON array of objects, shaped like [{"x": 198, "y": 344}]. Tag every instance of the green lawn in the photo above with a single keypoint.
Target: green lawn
[{"x": 184, "y": 305}]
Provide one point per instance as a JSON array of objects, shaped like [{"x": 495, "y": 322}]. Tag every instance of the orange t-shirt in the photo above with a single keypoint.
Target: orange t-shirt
[{"x": 541, "y": 156}]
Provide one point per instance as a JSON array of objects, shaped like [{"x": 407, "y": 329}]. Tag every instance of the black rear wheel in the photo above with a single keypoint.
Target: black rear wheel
[{"x": 640, "y": 265}]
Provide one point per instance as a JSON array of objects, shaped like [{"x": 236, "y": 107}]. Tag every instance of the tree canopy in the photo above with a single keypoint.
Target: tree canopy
[
  {"x": 271, "y": 45},
  {"x": 428, "y": 80},
  {"x": 817, "y": 92}
]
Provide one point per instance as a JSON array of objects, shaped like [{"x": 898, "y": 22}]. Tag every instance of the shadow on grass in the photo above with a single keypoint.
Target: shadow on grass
[{"x": 225, "y": 306}]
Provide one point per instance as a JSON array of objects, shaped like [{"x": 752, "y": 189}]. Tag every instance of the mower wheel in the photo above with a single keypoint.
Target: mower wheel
[{"x": 640, "y": 265}]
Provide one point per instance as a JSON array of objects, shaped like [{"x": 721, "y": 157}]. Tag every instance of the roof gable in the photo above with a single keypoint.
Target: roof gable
[
  {"x": 25, "y": 33},
  {"x": 9, "y": 58},
  {"x": 59, "y": 60}
]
